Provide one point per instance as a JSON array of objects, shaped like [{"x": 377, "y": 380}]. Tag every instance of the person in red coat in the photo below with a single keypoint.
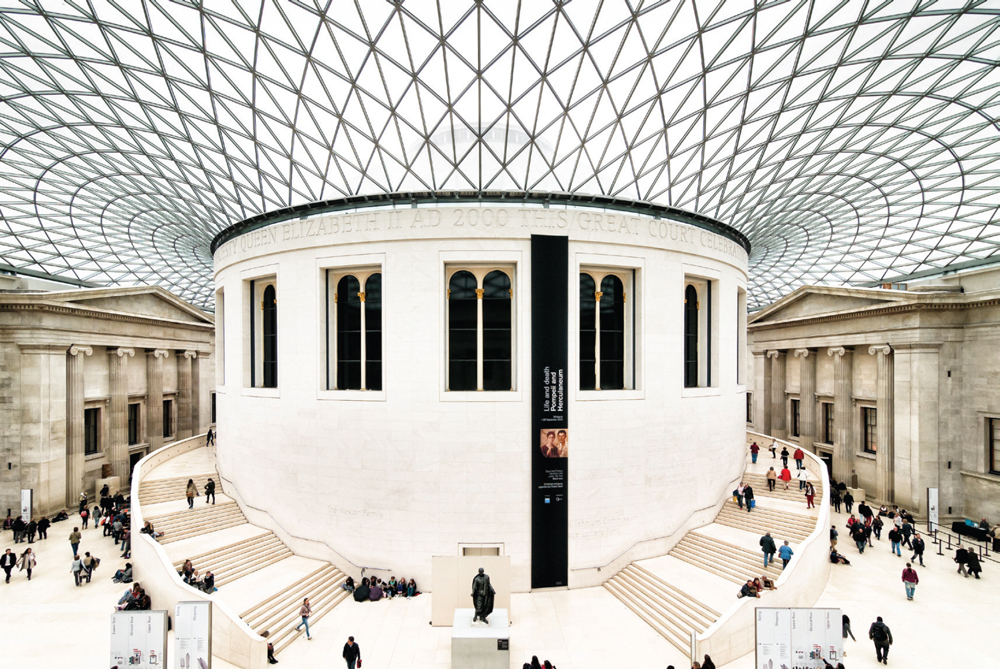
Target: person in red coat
[
  {"x": 785, "y": 476},
  {"x": 754, "y": 450},
  {"x": 799, "y": 457}
]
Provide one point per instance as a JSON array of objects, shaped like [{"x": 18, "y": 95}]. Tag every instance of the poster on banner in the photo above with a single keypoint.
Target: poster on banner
[
  {"x": 193, "y": 635},
  {"x": 798, "y": 638},
  {"x": 26, "y": 503},
  {"x": 139, "y": 639},
  {"x": 932, "y": 509}
]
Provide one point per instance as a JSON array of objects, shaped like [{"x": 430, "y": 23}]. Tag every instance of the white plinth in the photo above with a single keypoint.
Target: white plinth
[{"x": 480, "y": 646}]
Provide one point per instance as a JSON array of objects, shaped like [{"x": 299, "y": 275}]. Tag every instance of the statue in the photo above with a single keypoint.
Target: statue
[{"x": 482, "y": 596}]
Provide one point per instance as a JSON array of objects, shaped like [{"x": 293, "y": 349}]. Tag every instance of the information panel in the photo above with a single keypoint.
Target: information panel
[
  {"x": 550, "y": 436},
  {"x": 138, "y": 639},
  {"x": 26, "y": 503},
  {"x": 193, "y": 635},
  {"x": 798, "y": 638}
]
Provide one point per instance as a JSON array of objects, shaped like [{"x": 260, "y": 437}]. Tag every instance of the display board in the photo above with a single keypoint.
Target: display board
[
  {"x": 193, "y": 635},
  {"x": 932, "y": 509},
  {"x": 549, "y": 440},
  {"x": 139, "y": 639},
  {"x": 798, "y": 638},
  {"x": 26, "y": 503}
]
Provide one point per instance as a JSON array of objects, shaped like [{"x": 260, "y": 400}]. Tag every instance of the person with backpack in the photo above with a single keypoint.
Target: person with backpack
[
  {"x": 881, "y": 635},
  {"x": 90, "y": 563}
]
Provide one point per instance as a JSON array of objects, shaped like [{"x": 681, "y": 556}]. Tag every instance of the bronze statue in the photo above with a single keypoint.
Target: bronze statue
[{"x": 482, "y": 596}]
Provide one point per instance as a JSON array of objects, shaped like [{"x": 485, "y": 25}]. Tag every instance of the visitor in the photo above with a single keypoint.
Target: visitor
[
  {"x": 880, "y": 634},
  {"x": 127, "y": 544},
  {"x": 827, "y": 665},
  {"x": 864, "y": 510},
  {"x": 784, "y": 457},
  {"x": 375, "y": 593},
  {"x": 785, "y": 553},
  {"x": 754, "y": 450},
  {"x": 401, "y": 586},
  {"x": 910, "y": 580},
  {"x": 390, "y": 587},
  {"x": 918, "y": 548},
  {"x": 83, "y": 502},
  {"x": 90, "y": 563},
  {"x": 708, "y": 664},
  {"x": 764, "y": 583},
  {"x": 868, "y": 531},
  {"x": 270, "y": 648},
  {"x": 130, "y": 596},
  {"x": 971, "y": 563},
  {"x": 208, "y": 583},
  {"x": 848, "y": 501},
  {"x": 74, "y": 539},
  {"x": 27, "y": 561},
  {"x": 835, "y": 498},
  {"x": 772, "y": 477},
  {"x": 147, "y": 528},
  {"x": 810, "y": 495},
  {"x": 191, "y": 492},
  {"x": 7, "y": 563},
  {"x": 411, "y": 589},
  {"x": 348, "y": 584},
  {"x": 877, "y": 525},
  {"x": 210, "y": 438},
  {"x": 858, "y": 535},
  {"x": 837, "y": 558},
  {"x": 362, "y": 591},
  {"x": 77, "y": 569},
  {"x": 894, "y": 538},
  {"x": 188, "y": 573},
  {"x": 833, "y": 536},
  {"x": 352, "y": 653},
  {"x": 210, "y": 492},
  {"x": 123, "y": 575},
  {"x": 43, "y": 528},
  {"x": 767, "y": 546},
  {"x": 748, "y": 590},
  {"x": 774, "y": 449},
  {"x": 739, "y": 493},
  {"x": 907, "y": 531},
  {"x": 95, "y": 515},
  {"x": 799, "y": 457},
  {"x": 785, "y": 476},
  {"x": 846, "y": 624},
  {"x": 748, "y": 496},
  {"x": 305, "y": 612},
  {"x": 18, "y": 526},
  {"x": 84, "y": 517},
  {"x": 802, "y": 475}
]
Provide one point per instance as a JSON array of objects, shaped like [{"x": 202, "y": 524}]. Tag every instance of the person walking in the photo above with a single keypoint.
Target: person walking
[
  {"x": 846, "y": 623},
  {"x": 7, "y": 562},
  {"x": 30, "y": 529},
  {"x": 748, "y": 496},
  {"x": 858, "y": 534},
  {"x": 210, "y": 438},
  {"x": 352, "y": 653},
  {"x": 74, "y": 539},
  {"x": 848, "y": 501},
  {"x": 18, "y": 526},
  {"x": 27, "y": 561},
  {"x": 802, "y": 475},
  {"x": 767, "y": 545},
  {"x": 210, "y": 492},
  {"x": 90, "y": 563},
  {"x": 77, "y": 569},
  {"x": 972, "y": 563},
  {"x": 833, "y": 537},
  {"x": 772, "y": 477},
  {"x": 906, "y": 530},
  {"x": 84, "y": 517},
  {"x": 877, "y": 525},
  {"x": 910, "y": 580},
  {"x": 810, "y": 495},
  {"x": 880, "y": 634},
  {"x": 305, "y": 612},
  {"x": 191, "y": 492},
  {"x": 918, "y": 549},
  {"x": 962, "y": 557},
  {"x": 785, "y": 476},
  {"x": 894, "y": 538},
  {"x": 799, "y": 457},
  {"x": 835, "y": 498},
  {"x": 43, "y": 528},
  {"x": 270, "y": 648},
  {"x": 739, "y": 493},
  {"x": 784, "y": 457},
  {"x": 754, "y": 450},
  {"x": 785, "y": 553},
  {"x": 774, "y": 450}
]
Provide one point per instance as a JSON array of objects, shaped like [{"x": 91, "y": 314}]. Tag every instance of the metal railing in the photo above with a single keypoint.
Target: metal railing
[{"x": 947, "y": 541}]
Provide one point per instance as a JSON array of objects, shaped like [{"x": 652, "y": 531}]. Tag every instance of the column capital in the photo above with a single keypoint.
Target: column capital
[
  {"x": 122, "y": 352},
  {"x": 77, "y": 350},
  {"x": 157, "y": 353},
  {"x": 884, "y": 349},
  {"x": 775, "y": 353},
  {"x": 191, "y": 354},
  {"x": 840, "y": 351},
  {"x": 803, "y": 352}
]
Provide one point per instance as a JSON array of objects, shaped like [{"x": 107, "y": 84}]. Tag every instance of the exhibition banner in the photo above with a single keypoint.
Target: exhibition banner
[
  {"x": 798, "y": 638},
  {"x": 138, "y": 639},
  {"x": 932, "y": 509},
  {"x": 549, "y": 439},
  {"x": 26, "y": 503},
  {"x": 193, "y": 635}
]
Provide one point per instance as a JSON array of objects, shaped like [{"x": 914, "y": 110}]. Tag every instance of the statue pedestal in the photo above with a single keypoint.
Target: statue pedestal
[{"x": 480, "y": 646}]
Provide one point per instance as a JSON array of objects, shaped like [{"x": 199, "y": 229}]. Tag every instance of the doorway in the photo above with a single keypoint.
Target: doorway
[
  {"x": 827, "y": 459},
  {"x": 133, "y": 458}
]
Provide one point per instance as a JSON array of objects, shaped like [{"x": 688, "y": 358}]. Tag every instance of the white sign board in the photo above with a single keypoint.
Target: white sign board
[
  {"x": 138, "y": 639},
  {"x": 26, "y": 505},
  {"x": 932, "y": 508},
  {"x": 193, "y": 635},
  {"x": 798, "y": 638}
]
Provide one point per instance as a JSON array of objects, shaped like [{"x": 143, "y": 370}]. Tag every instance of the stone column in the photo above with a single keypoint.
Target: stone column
[
  {"x": 843, "y": 368},
  {"x": 761, "y": 392},
  {"x": 807, "y": 397},
  {"x": 916, "y": 441},
  {"x": 118, "y": 413},
  {"x": 42, "y": 422},
  {"x": 195, "y": 391},
  {"x": 884, "y": 427},
  {"x": 74, "y": 423},
  {"x": 183, "y": 359},
  {"x": 778, "y": 411},
  {"x": 154, "y": 397}
]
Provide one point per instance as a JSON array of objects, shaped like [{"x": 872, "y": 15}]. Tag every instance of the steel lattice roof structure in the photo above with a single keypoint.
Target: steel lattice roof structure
[{"x": 850, "y": 140}]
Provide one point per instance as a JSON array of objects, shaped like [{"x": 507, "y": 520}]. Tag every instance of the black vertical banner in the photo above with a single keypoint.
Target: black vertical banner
[{"x": 549, "y": 437}]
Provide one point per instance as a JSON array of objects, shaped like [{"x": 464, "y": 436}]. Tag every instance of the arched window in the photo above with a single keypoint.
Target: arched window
[
  {"x": 269, "y": 337},
  {"x": 463, "y": 329},
  {"x": 612, "y": 342},
  {"x": 690, "y": 337},
  {"x": 496, "y": 331},
  {"x": 373, "y": 333},
  {"x": 354, "y": 330},
  {"x": 588, "y": 333},
  {"x": 605, "y": 330},
  {"x": 348, "y": 333}
]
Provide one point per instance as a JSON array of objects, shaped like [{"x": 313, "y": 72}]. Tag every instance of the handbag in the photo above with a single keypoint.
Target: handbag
[{"x": 753, "y": 503}]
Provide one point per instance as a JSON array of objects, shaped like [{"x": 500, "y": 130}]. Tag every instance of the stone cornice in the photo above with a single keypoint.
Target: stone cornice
[
  {"x": 877, "y": 310},
  {"x": 87, "y": 312}
]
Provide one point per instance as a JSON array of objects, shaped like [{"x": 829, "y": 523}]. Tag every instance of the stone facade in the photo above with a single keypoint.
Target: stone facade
[
  {"x": 913, "y": 370},
  {"x": 73, "y": 370}
]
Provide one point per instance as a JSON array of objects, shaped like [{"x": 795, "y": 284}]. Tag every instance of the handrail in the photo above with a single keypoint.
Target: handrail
[{"x": 242, "y": 500}]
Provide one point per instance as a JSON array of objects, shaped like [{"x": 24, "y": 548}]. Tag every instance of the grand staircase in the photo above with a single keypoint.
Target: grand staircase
[{"x": 197, "y": 521}]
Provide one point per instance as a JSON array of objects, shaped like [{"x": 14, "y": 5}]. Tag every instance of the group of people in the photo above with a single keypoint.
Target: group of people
[
  {"x": 535, "y": 664},
  {"x": 706, "y": 663},
  {"x": 374, "y": 589},
  {"x": 25, "y": 531},
  {"x": 134, "y": 599},
  {"x": 191, "y": 491},
  {"x": 191, "y": 576},
  {"x": 798, "y": 456},
  {"x": 785, "y": 475},
  {"x": 24, "y": 562}
]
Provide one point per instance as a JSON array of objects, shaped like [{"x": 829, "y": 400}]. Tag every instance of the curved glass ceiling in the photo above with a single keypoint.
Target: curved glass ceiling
[{"x": 850, "y": 140}]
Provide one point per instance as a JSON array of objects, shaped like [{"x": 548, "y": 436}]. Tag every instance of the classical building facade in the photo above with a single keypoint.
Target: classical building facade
[
  {"x": 896, "y": 389},
  {"x": 90, "y": 381}
]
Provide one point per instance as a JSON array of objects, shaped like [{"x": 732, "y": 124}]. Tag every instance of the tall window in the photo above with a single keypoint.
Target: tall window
[
  {"x": 261, "y": 360},
  {"x": 168, "y": 418},
  {"x": 355, "y": 322},
  {"x": 870, "y": 421},
  {"x": 604, "y": 330},
  {"x": 749, "y": 407},
  {"x": 691, "y": 337},
  {"x": 994, "y": 437},
  {"x": 269, "y": 327},
  {"x": 213, "y": 408},
  {"x": 794, "y": 418},
  {"x": 91, "y": 430},
  {"x": 828, "y": 422},
  {"x": 480, "y": 332},
  {"x": 133, "y": 424}
]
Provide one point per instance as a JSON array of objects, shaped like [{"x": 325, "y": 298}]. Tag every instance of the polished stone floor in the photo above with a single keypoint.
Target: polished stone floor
[{"x": 50, "y": 622}]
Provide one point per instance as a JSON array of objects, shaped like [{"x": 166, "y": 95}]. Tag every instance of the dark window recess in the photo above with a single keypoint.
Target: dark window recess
[
  {"x": 133, "y": 424},
  {"x": 269, "y": 323},
  {"x": 462, "y": 327},
  {"x": 496, "y": 332},
  {"x": 612, "y": 333},
  {"x": 794, "y": 419},
  {"x": 373, "y": 332},
  {"x": 588, "y": 333},
  {"x": 348, "y": 334},
  {"x": 994, "y": 445},
  {"x": 91, "y": 433},
  {"x": 690, "y": 337},
  {"x": 213, "y": 408},
  {"x": 168, "y": 406},
  {"x": 749, "y": 407},
  {"x": 870, "y": 422},
  {"x": 828, "y": 422}
]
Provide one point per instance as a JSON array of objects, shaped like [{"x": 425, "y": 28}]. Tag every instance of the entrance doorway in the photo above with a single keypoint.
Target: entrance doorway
[
  {"x": 827, "y": 459},
  {"x": 133, "y": 458}
]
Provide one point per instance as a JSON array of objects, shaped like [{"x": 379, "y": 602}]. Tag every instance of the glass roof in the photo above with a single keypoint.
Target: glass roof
[{"x": 850, "y": 140}]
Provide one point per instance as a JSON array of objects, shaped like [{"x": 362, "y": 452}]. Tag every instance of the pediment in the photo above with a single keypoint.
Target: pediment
[
  {"x": 811, "y": 301},
  {"x": 151, "y": 302}
]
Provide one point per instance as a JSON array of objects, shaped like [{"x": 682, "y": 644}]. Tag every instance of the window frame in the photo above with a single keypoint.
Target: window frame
[
  {"x": 707, "y": 290},
  {"x": 749, "y": 395},
  {"x": 794, "y": 417},
  {"x": 829, "y": 422},
  {"x": 869, "y": 430},
  {"x": 332, "y": 276},
  {"x": 92, "y": 442},
  {"x": 135, "y": 427},
  {"x": 993, "y": 445},
  {"x": 167, "y": 419},
  {"x": 627, "y": 275},
  {"x": 255, "y": 282}
]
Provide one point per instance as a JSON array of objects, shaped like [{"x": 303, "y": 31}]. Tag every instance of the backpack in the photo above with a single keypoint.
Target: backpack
[{"x": 879, "y": 633}]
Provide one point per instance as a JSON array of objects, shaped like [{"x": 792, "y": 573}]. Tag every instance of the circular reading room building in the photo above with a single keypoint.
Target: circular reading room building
[{"x": 550, "y": 377}]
